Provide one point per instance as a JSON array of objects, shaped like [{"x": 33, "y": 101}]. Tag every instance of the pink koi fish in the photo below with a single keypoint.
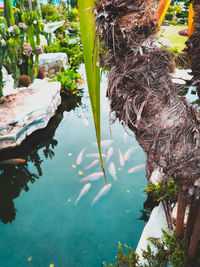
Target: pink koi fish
[
  {"x": 136, "y": 168},
  {"x": 92, "y": 177},
  {"x": 101, "y": 193},
  {"x": 84, "y": 190}
]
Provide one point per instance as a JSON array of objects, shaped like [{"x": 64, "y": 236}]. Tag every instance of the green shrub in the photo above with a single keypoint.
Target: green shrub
[
  {"x": 50, "y": 13},
  {"x": 73, "y": 15},
  {"x": 166, "y": 190},
  {"x": 169, "y": 16},
  {"x": 174, "y": 22},
  {"x": 70, "y": 80},
  {"x": 169, "y": 249},
  {"x": 73, "y": 51}
]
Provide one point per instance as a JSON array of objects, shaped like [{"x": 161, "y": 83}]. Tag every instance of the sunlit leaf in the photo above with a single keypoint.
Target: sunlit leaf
[
  {"x": 162, "y": 10},
  {"x": 90, "y": 53},
  {"x": 191, "y": 20}
]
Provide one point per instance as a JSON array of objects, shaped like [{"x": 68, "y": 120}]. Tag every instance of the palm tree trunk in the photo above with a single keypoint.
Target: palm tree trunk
[{"x": 141, "y": 91}]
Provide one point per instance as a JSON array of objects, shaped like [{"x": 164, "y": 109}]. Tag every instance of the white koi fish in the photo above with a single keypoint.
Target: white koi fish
[
  {"x": 125, "y": 137},
  {"x": 80, "y": 156},
  {"x": 101, "y": 193},
  {"x": 92, "y": 164},
  {"x": 95, "y": 155},
  {"x": 92, "y": 177},
  {"x": 112, "y": 171},
  {"x": 128, "y": 153},
  {"x": 136, "y": 168},
  {"x": 84, "y": 190},
  {"x": 121, "y": 158},
  {"x": 86, "y": 122},
  {"x": 109, "y": 153},
  {"x": 105, "y": 143}
]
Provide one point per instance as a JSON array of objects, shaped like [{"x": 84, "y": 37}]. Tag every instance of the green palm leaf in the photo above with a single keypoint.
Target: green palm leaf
[{"x": 90, "y": 52}]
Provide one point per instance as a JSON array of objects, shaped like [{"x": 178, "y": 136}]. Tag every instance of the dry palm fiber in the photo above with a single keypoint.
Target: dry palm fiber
[
  {"x": 193, "y": 47},
  {"x": 142, "y": 94}
]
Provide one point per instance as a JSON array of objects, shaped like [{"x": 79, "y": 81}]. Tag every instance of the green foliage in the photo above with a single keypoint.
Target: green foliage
[
  {"x": 132, "y": 259},
  {"x": 174, "y": 22},
  {"x": 73, "y": 51},
  {"x": 169, "y": 15},
  {"x": 50, "y": 13},
  {"x": 175, "y": 12},
  {"x": 166, "y": 190},
  {"x": 168, "y": 249},
  {"x": 73, "y": 15},
  {"x": 90, "y": 44},
  {"x": 69, "y": 80},
  {"x": 8, "y": 13}
]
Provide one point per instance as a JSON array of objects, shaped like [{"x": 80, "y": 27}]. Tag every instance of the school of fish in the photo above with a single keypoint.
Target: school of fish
[{"x": 89, "y": 179}]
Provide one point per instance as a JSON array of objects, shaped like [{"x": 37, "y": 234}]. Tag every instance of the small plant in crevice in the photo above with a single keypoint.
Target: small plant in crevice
[
  {"x": 165, "y": 190},
  {"x": 70, "y": 81}
]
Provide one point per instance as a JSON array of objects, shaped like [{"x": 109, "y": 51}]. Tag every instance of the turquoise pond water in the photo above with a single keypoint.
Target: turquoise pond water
[{"x": 40, "y": 223}]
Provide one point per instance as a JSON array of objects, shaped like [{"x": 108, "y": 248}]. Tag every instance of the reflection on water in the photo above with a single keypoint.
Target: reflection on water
[{"x": 13, "y": 178}]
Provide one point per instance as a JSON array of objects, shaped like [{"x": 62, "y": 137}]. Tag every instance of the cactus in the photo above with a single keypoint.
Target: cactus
[{"x": 8, "y": 13}]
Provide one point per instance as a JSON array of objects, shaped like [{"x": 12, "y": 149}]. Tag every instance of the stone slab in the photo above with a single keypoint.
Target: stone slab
[{"x": 27, "y": 111}]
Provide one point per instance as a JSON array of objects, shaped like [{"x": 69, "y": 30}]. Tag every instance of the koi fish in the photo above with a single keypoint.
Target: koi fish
[
  {"x": 105, "y": 143},
  {"x": 92, "y": 164},
  {"x": 121, "y": 158},
  {"x": 92, "y": 177},
  {"x": 16, "y": 161},
  {"x": 128, "y": 153},
  {"x": 125, "y": 137},
  {"x": 112, "y": 171},
  {"x": 95, "y": 155},
  {"x": 101, "y": 193},
  {"x": 86, "y": 122},
  {"x": 110, "y": 153},
  {"x": 136, "y": 168},
  {"x": 84, "y": 190},
  {"x": 80, "y": 156}
]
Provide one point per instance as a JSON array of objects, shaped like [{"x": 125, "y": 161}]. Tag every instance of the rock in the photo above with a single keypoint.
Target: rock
[
  {"x": 27, "y": 111},
  {"x": 178, "y": 81},
  {"x": 183, "y": 32},
  {"x": 165, "y": 42},
  {"x": 55, "y": 61},
  {"x": 8, "y": 83},
  {"x": 153, "y": 229},
  {"x": 182, "y": 74}
]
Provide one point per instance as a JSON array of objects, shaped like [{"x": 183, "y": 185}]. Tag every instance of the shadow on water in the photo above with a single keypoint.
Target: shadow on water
[{"x": 14, "y": 178}]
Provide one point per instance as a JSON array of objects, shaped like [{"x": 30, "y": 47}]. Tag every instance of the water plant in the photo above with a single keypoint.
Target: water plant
[{"x": 70, "y": 81}]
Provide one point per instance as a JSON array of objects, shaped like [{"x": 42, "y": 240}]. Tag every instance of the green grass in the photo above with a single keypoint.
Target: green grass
[{"x": 171, "y": 33}]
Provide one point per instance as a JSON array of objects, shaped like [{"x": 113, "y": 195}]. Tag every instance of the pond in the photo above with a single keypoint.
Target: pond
[{"x": 40, "y": 223}]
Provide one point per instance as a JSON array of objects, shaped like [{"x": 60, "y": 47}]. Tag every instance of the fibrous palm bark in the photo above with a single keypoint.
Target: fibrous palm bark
[{"x": 141, "y": 92}]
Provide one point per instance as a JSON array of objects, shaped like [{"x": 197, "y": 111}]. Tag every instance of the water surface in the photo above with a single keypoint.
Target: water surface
[{"x": 40, "y": 224}]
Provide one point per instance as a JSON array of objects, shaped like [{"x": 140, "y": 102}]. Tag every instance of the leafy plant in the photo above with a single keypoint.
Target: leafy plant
[
  {"x": 91, "y": 59},
  {"x": 50, "y": 13},
  {"x": 166, "y": 190},
  {"x": 70, "y": 80},
  {"x": 73, "y": 51},
  {"x": 168, "y": 249}
]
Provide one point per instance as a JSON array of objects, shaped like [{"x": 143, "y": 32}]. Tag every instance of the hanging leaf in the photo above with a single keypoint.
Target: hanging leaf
[
  {"x": 191, "y": 20},
  {"x": 90, "y": 53},
  {"x": 162, "y": 10}
]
